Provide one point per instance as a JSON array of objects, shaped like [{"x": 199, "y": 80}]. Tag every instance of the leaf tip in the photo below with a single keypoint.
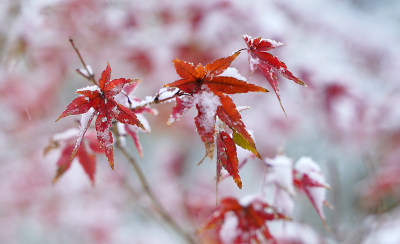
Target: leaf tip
[
  {"x": 54, "y": 181},
  {"x": 239, "y": 183}
]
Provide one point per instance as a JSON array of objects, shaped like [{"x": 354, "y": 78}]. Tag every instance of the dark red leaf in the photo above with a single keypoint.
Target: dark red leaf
[
  {"x": 227, "y": 157},
  {"x": 268, "y": 64},
  {"x": 101, "y": 99}
]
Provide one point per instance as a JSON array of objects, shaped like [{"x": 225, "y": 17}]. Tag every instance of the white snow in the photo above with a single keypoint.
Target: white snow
[
  {"x": 85, "y": 120},
  {"x": 278, "y": 188},
  {"x": 144, "y": 122},
  {"x": 90, "y": 88},
  {"x": 306, "y": 166},
  {"x": 274, "y": 43},
  {"x": 85, "y": 71},
  {"x": 293, "y": 232},
  {"x": 122, "y": 133},
  {"x": 208, "y": 103},
  {"x": 229, "y": 230},
  {"x": 167, "y": 92},
  {"x": 70, "y": 133},
  {"x": 232, "y": 72},
  {"x": 246, "y": 200},
  {"x": 145, "y": 101}
]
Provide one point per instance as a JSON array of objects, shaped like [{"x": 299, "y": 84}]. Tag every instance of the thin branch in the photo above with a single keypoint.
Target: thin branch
[
  {"x": 156, "y": 99},
  {"x": 146, "y": 187},
  {"x": 90, "y": 75}
]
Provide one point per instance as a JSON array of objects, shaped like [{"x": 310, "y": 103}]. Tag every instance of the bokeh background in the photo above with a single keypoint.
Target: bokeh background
[{"x": 347, "y": 119}]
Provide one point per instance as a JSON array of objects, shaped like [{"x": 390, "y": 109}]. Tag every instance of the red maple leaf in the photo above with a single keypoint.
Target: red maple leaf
[
  {"x": 268, "y": 64},
  {"x": 307, "y": 177},
  {"x": 250, "y": 219},
  {"x": 85, "y": 153},
  {"x": 207, "y": 87},
  {"x": 227, "y": 157},
  {"x": 99, "y": 100}
]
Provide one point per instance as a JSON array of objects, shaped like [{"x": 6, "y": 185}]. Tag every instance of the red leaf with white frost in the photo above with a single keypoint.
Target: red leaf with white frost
[
  {"x": 85, "y": 153},
  {"x": 268, "y": 64},
  {"x": 207, "y": 86},
  {"x": 242, "y": 221},
  {"x": 100, "y": 100},
  {"x": 227, "y": 157},
  {"x": 181, "y": 107},
  {"x": 309, "y": 179}
]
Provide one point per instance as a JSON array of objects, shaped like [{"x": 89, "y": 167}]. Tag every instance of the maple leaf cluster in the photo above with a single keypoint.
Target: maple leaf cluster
[
  {"x": 247, "y": 220},
  {"x": 208, "y": 88}
]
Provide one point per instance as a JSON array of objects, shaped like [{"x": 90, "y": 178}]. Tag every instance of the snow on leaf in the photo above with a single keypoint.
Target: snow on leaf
[
  {"x": 309, "y": 179},
  {"x": 250, "y": 224},
  {"x": 233, "y": 72},
  {"x": 268, "y": 64},
  {"x": 101, "y": 102},
  {"x": 85, "y": 122},
  {"x": 207, "y": 87},
  {"x": 293, "y": 232},
  {"x": 206, "y": 105},
  {"x": 279, "y": 188},
  {"x": 85, "y": 153},
  {"x": 182, "y": 106}
]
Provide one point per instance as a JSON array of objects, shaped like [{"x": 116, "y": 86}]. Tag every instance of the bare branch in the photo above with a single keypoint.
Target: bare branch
[
  {"x": 90, "y": 75},
  {"x": 146, "y": 187}
]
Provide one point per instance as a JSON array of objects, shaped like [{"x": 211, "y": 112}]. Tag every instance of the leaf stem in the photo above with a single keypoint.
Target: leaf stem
[{"x": 146, "y": 187}]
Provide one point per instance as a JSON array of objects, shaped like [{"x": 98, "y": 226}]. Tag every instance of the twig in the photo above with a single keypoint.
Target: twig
[
  {"x": 157, "y": 205},
  {"x": 156, "y": 99},
  {"x": 90, "y": 75}
]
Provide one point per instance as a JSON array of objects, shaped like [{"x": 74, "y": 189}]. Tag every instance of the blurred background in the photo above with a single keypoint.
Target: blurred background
[{"x": 347, "y": 119}]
